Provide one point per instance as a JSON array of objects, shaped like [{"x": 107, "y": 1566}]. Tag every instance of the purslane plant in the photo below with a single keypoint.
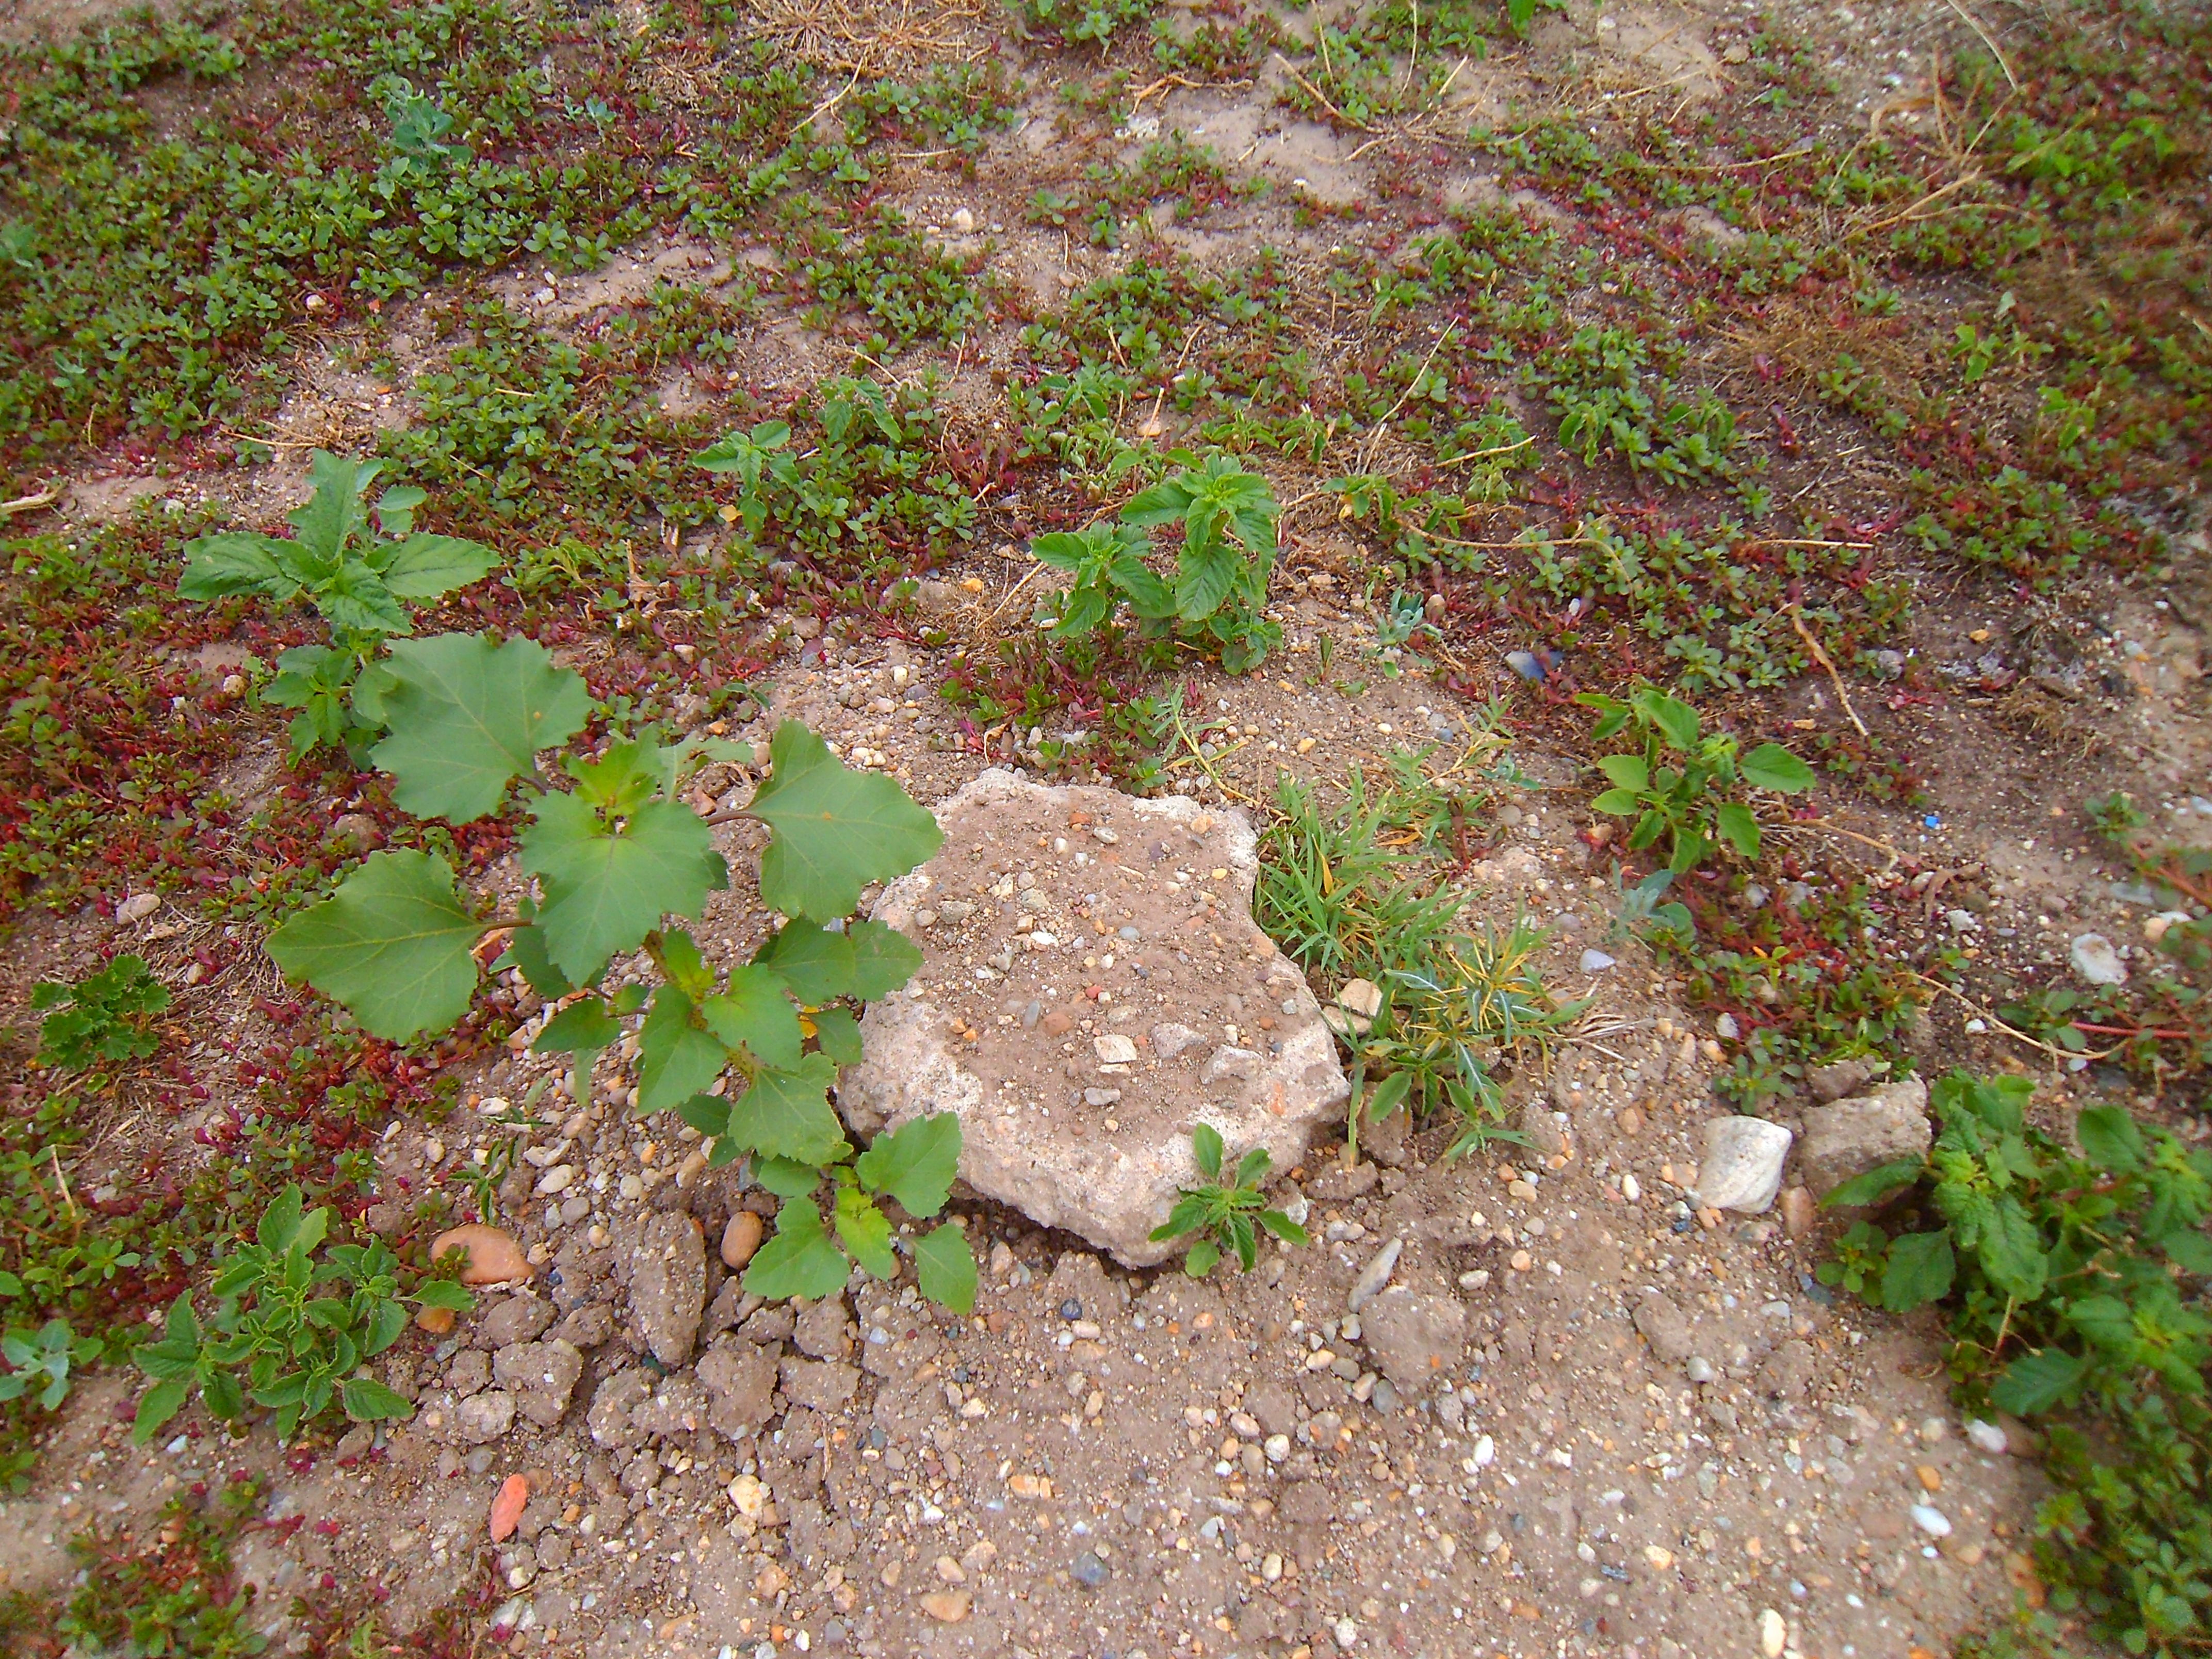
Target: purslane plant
[
  {"x": 358, "y": 567},
  {"x": 619, "y": 857}
]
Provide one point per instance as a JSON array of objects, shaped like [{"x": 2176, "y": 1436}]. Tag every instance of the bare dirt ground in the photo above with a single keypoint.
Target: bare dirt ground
[{"x": 1607, "y": 1428}]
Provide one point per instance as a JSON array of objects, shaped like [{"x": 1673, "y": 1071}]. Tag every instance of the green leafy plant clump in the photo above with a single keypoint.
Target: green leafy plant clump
[
  {"x": 2072, "y": 1281},
  {"x": 298, "y": 1330},
  {"x": 103, "y": 1017},
  {"x": 1219, "y": 598},
  {"x": 358, "y": 572},
  {"x": 1680, "y": 786},
  {"x": 747, "y": 1057},
  {"x": 1225, "y": 1217}
]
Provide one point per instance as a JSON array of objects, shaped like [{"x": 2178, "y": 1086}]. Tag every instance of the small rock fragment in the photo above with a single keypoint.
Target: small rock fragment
[
  {"x": 1374, "y": 1276},
  {"x": 741, "y": 1237},
  {"x": 494, "y": 1257},
  {"x": 1773, "y": 1633},
  {"x": 1862, "y": 1132},
  {"x": 506, "y": 1508},
  {"x": 1361, "y": 997},
  {"x": 1664, "y": 1328},
  {"x": 2096, "y": 962},
  {"x": 1742, "y": 1166},
  {"x": 668, "y": 1284},
  {"x": 1169, "y": 1040},
  {"x": 1986, "y": 1436},
  {"x": 1931, "y": 1521},
  {"x": 1114, "y": 1049},
  {"x": 946, "y": 1606}
]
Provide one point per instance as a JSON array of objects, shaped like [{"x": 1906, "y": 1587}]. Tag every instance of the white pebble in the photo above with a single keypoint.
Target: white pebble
[
  {"x": 1987, "y": 1435},
  {"x": 1931, "y": 1521},
  {"x": 1632, "y": 1188}
]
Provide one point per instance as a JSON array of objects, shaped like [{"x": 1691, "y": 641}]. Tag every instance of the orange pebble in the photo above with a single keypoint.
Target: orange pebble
[{"x": 506, "y": 1508}]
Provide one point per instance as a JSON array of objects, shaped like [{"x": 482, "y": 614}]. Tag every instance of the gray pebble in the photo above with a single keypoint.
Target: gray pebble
[{"x": 1090, "y": 1571}]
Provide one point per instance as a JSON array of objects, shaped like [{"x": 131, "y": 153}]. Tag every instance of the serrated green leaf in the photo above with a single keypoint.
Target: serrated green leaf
[
  {"x": 424, "y": 567},
  {"x": 356, "y": 599},
  {"x": 237, "y": 562},
  {"x": 606, "y": 891},
  {"x": 710, "y": 1115},
  {"x": 1919, "y": 1271},
  {"x": 1874, "y": 1185},
  {"x": 787, "y": 1114},
  {"x": 157, "y": 1405},
  {"x": 835, "y": 830},
  {"x": 468, "y": 717},
  {"x": 526, "y": 951},
  {"x": 1628, "y": 771},
  {"x": 2038, "y": 1382},
  {"x": 947, "y": 1267},
  {"x": 786, "y": 1178},
  {"x": 914, "y": 1163},
  {"x": 756, "y": 1012},
  {"x": 368, "y": 1401},
  {"x": 676, "y": 1059},
  {"x": 884, "y": 959},
  {"x": 866, "y": 1233},
  {"x": 1243, "y": 1238},
  {"x": 838, "y": 1034},
  {"x": 1191, "y": 1212},
  {"x": 582, "y": 1029},
  {"x": 1677, "y": 721},
  {"x": 1201, "y": 1258},
  {"x": 2010, "y": 1248},
  {"x": 2109, "y": 1138},
  {"x": 221, "y": 1392},
  {"x": 444, "y": 1293},
  {"x": 1771, "y": 766},
  {"x": 392, "y": 945},
  {"x": 1738, "y": 828},
  {"x": 815, "y": 963},
  {"x": 800, "y": 1260},
  {"x": 1205, "y": 575},
  {"x": 332, "y": 517}
]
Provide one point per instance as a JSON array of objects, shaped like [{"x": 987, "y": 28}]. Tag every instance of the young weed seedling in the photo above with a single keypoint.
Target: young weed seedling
[
  {"x": 614, "y": 856},
  {"x": 1219, "y": 595},
  {"x": 103, "y": 1018},
  {"x": 357, "y": 574},
  {"x": 1221, "y": 1217},
  {"x": 300, "y": 1346},
  {"x": 1680, "y": 786}
]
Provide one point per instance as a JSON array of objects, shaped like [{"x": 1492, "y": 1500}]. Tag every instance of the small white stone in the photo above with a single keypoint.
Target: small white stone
[
  {"x": 558, "y": 1179},
  {"x": 1931, "y": 1521},
  {"x": 1114, "y": 1049},
  {"x": 1986, "y": 1436},
  {"x": 1773, "y": 1634},
  {"x": 1485, "y": 1453},
  {"x": 1742, "y": 1166},
  {"x": 1346, "y": 1634},
  {"x": 2096, "y": 962},
  {"x": 1632, "y": 1188},
  {"x": 137, "y": 907}
]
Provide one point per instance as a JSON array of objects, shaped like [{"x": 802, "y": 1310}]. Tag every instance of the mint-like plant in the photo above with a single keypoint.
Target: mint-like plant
[
  {"x": 357, "y": 565},
  {"x": 1220, "y": 594},
  {"x": 619, "y": 857},
  {"x": 299, "y": 1330},
  {"x": 102, "y": 1017},
  {"x": 1683, "y": 784}
]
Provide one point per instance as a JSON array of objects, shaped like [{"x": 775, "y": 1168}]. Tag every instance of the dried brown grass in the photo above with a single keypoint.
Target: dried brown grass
[{"x": 875, "y": 37}]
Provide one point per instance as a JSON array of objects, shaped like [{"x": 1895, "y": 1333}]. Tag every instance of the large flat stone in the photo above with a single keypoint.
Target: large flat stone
[{"x": 1017, "y": 984}]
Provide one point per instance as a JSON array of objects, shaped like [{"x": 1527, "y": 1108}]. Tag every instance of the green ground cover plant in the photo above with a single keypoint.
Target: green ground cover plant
[
  {"x": 104, "y": 1017},
  {"x": 1218, "y": 599},
  {"x": 295, "y": 1322},
  {"x": 2070, "y": 1280}
]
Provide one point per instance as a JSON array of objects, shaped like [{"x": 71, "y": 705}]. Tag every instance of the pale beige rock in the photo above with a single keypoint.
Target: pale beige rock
[{"x": 1111, "y": 1187}]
